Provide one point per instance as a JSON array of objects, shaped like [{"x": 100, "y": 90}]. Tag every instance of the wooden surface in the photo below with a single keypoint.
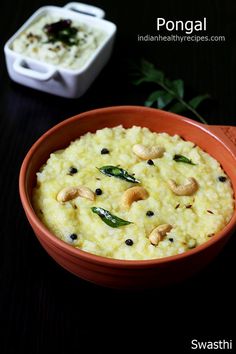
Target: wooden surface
[{"x": 44, "y": 309}]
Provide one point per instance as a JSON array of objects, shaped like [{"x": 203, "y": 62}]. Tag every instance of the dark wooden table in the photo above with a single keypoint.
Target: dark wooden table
[{"x": 44, "y": 309}]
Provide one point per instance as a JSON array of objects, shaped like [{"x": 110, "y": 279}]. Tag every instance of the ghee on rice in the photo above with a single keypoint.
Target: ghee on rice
[{"x": 194, "y": 219}]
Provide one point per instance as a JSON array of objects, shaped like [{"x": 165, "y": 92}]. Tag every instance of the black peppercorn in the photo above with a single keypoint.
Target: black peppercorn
[
  {"x": 222, "y": 178},
  {"x": 105, "y": 151},
  {"x": 171, "y": 239},
  {"x": 72, "y": 170},
  {"x": 149, "y": 213},
  {"x": 150, "y": 162},
  {"x": 73, "y": 237},
  {"x": 98, "y": 191},
  {"x": 129, "y": 242}
]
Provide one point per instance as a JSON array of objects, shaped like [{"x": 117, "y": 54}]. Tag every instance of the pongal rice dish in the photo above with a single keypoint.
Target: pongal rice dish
[{"x": 133, "y": 194}]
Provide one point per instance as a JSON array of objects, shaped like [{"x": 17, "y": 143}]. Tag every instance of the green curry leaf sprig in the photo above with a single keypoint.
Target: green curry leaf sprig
[{"x": 171, "y": 93}]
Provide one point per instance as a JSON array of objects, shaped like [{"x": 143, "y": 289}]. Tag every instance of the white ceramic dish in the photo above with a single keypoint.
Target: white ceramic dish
[{"x": 54, "y": 79}]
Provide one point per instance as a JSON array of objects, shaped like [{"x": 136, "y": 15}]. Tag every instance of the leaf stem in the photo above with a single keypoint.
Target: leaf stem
[{"x": 185, "y": 104}]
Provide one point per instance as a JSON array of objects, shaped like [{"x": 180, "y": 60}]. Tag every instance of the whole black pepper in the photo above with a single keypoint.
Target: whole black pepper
[
  {"x": 129, "y": 242},
  {"x": 105, "y": 151},
  {"x": 72, "y": 170},
  {"x": 150, "y": 162},
  {"x": 171, "y": 239},
  {"x": 222, "y": 178},
  {"x": 73, "y": 237},
  {"x": 98, "y": 191},
  {"x": 149, "y": 213}
]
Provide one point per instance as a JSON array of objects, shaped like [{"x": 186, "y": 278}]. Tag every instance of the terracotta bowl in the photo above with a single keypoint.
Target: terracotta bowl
[{"x": 218, "y": 141}]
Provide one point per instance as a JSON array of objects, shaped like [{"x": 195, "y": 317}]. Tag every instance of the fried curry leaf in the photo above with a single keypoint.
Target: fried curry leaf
[
  {"x": 61, "y": 31},
  {"x": 114, "y": 171},
  {"x": 109, "y": 219},
  {"x": 181, "y": 158}
]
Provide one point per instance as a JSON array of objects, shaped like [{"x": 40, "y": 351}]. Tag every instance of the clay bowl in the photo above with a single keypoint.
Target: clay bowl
[{"x": 218, "y": 141}]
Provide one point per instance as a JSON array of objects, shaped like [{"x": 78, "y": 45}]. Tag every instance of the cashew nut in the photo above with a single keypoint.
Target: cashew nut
[
  {"x": 132, "y": 195},
  {"x": 187, "y": 189},
  {"x": 147, "y": 153},
  {"x": 69, "y": 193},
  {"x": 158, "y": 233}
]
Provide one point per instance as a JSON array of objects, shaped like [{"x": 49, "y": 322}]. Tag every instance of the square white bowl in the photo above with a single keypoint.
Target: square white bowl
[{"x": 55, "y": 79}]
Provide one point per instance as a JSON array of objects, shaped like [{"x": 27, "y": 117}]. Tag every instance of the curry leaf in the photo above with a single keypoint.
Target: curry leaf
[
  {"x": 138, "y": 81},
  {"x": 154, "y": 97},
  {"x": 108, "y": 218},
  {"x": 178, "y": 87},
  {"x": 160, "y": 97},
  {"x": 62, "y": 31},
  {"x": 146, "y": 66},
  {"x": 150, "y": 73},
  {"x": 181, "y": 158},
  {"x": 114, "y": 171},
  {"x": 195, "y": 102},
  {"x": 177, "y": 108},
  {"x": 164, "y": 100}
]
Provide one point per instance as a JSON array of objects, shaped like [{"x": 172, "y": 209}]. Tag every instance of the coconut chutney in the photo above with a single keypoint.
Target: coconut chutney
[{"x": 61, "y": 42}]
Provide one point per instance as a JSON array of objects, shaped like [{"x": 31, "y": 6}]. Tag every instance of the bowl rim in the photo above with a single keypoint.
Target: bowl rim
[{"x": 97, "y": 259}]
